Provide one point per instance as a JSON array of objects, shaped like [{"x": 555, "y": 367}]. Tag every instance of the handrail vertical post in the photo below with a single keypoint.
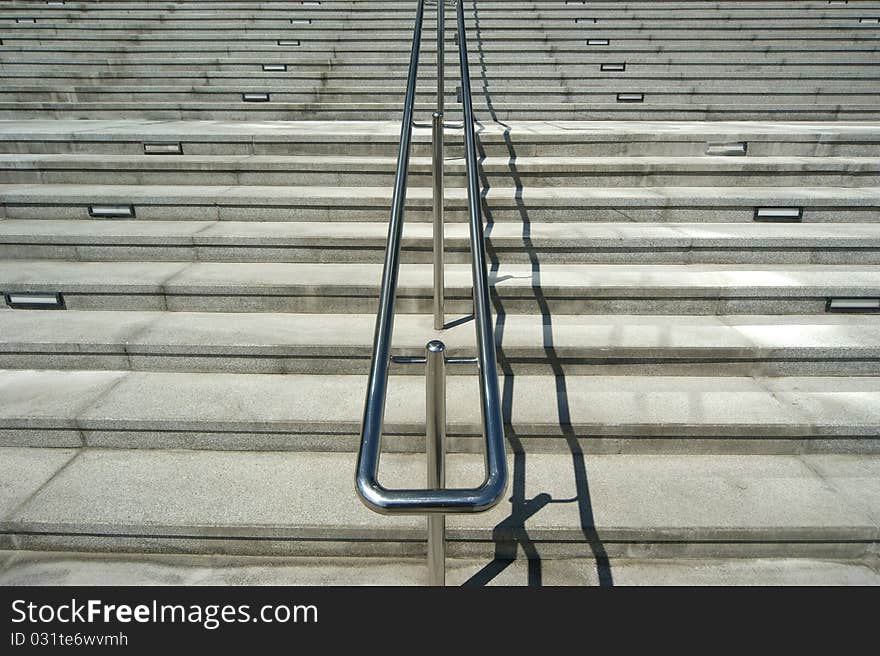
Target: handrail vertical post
[
  {"x": 435, "y": 430},
  {"x": 441, "y": 55},
  {"x": 437, "y": 165}
]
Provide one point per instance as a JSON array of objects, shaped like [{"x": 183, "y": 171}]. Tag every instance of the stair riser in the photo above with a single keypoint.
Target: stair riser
[
  {"x": 744, "y": 94},
  {"x": 407, "y": 303},
  {"x": 820, "y": 363},
  {"x": 415, "y": 547},
  {"x": 593, "y": 147},
  {"x": 456, "y": 213},
  {"x": 745, "y": 254},
  {"x": 621, "y": 111},
  {"x": 638, "y": 66},
  {"x": 420, "y": 177}
]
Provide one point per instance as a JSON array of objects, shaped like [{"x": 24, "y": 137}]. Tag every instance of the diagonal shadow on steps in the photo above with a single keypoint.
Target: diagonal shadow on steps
[{"x": 511, "y": 532}]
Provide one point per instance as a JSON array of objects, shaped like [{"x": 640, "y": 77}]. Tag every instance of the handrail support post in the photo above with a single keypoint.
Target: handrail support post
[
  {"x": 435, "y": 431},
  {"x": 437, "y": 166},
  {"x": 441, "y": 55}
]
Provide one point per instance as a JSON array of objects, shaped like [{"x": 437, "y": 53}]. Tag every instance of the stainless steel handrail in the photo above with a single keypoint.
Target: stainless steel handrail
[{"x": 433, "y": 500}]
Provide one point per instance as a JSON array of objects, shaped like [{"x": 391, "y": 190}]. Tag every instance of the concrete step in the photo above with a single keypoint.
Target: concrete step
[
  {"x": 629, "y": 39},
  {"x": 337, "y": 241},
  {"x": 641, "y": 74},
  {"x": 634, "y": 414},
  {"x": 819, "y": 506},
  {"x": 678, "y": 65},
  {"x": 604, "y": 92},
  {"x": 517, "y": 288},
  {"x": 23, "y": 568},
  {"x": 378, "y": 171},
  {"x": 277, "y": 111},
  {"x": 501, "y": 204},
  {"x": 821, "y": 344},
  {"x": 520, "y": 139}
]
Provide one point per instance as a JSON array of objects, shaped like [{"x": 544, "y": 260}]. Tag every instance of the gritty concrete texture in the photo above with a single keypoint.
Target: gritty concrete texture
[
  {"x": 23, "y": 472},
  {"x": 304, "y": 496},
  {"x": 578, "y": 405},
  {"x": 672, "y": 385},
  {"x": 46, "y": 568}
]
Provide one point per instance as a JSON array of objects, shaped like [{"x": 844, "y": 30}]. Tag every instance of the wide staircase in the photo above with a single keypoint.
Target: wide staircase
[{"x": 682, "y": 205}]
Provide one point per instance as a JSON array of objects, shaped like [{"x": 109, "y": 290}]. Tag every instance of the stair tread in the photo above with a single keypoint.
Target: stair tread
[
  {"x": 373, "y": 234},
  {"x": 220, "y": 130},
  {"x": 592, "y": 405},
  {"x": 561, "y": 165},
  {"x": 567, "y": 196},
  {"x": 608, "y": 336},
  {"x": 78, "y": 568},
  {"x": 308, "y": 496},
  {"x": 509, "y": 279}
]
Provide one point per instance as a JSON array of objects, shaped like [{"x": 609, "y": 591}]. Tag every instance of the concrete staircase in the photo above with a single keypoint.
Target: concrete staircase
[{"x": 674, "y": 192}]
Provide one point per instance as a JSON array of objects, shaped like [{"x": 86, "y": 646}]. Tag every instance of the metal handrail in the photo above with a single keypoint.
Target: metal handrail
[{"x": 433, "y": 500}]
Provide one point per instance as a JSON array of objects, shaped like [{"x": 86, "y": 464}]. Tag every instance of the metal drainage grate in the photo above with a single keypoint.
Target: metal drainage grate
[
  {"x": 730, "y": 149},
  {"x": 619, "y": 67},
  {"x": 630, "y": 97},
  {"x": 163, "y": 148},
  {"x": 34, "y": 300},
  {"x": 255, "y": 97},
  {"x": 111, "y": 211},
  {"x": 853, "y": 305},
  {"x": 779, "y": 214}
]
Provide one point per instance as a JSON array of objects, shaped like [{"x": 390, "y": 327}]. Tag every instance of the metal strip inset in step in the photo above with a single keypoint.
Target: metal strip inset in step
[
  {"x": 163, "y": 148},
  {"x": 111, "y": 211},
  {"x": 853, "y": 305},
  {"x": 779, "y": 214},
  {"x": 34, "y": 301},
  {"x": 728, "y": 149}
]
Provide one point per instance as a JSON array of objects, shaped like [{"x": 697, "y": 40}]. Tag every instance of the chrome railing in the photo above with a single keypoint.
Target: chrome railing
[{"x": 436, "y": 499}]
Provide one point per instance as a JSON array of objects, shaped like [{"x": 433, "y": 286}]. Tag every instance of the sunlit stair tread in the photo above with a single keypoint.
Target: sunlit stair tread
[{"x": 792, "y": 504}]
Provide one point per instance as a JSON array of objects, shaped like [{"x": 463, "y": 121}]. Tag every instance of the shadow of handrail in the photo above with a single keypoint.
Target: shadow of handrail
[{"x": 511, "y": 532}]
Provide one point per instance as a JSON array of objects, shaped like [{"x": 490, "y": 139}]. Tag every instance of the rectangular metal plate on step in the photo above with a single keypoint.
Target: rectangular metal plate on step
[
  {"x": 300, "y": 21},
  {"x": 111, "y": 211},
  {"x": 25, "y": 20},
  {"x": 586, "y": 20},
  {"x": 870, "y": 20},
  {"x": 630, "y": 97},
  {"x": 598, "y": 42},
  {"x": 853, "y": 305},
  {"x": 288, "y": 42},
  {"x": 310, "y": 3},
  {"x": 729, "y": 149},
  {"x": 163, "y": 148},
  {"x": 255, "y": 97},
  {"x": 619, "y": 67},
  {"x": 274, "y": 68},
  {"x": 34, "y": 300},
  {"x": 779, "y": 214}
]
